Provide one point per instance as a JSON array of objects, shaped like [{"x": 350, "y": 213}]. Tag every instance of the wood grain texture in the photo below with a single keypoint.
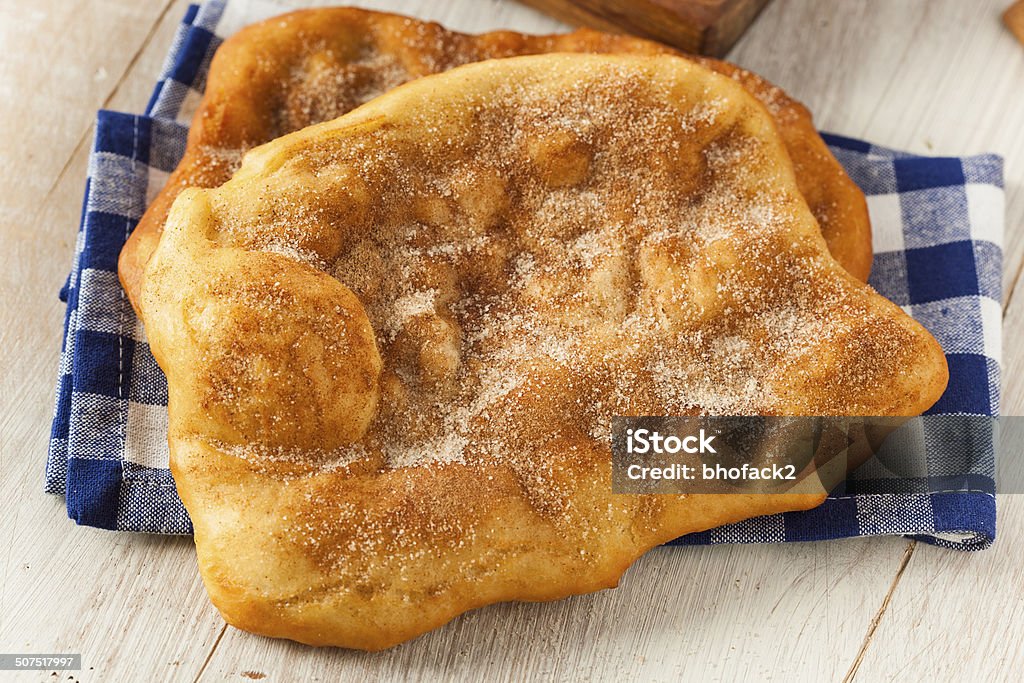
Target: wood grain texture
[
  {"x": 956, "y": 615},
  {"x": 707, "y": 27},
  {"x": 933, "y": 76}
]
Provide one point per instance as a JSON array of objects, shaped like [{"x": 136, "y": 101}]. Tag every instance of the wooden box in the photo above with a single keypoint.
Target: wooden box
[{"x": 707, "y": 27}]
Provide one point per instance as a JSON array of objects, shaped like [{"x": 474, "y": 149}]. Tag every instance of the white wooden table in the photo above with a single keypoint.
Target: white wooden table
[{"x": 930, "y": 76}]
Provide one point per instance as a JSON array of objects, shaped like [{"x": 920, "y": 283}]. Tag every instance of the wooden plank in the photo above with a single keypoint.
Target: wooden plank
[{"x": 707, "y": 27}]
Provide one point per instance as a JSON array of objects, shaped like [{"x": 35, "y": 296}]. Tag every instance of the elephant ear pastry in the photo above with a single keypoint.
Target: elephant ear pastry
[
  {"x": 291, "y": 71},
  {"x": 394, "y": 341}
]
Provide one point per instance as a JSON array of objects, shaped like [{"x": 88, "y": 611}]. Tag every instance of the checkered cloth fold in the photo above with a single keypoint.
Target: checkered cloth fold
[{"x": 937, "y": 236}]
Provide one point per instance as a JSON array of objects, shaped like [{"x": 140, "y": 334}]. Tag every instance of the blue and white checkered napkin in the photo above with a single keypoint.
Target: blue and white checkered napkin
[{"x": 938, "y": 226}]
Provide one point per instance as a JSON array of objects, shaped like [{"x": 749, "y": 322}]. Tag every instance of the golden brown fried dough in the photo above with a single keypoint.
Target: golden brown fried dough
[
  {"x": 1013, "y": 17},
  {"x": 306, "y": 67},
  {"x": 394, "y": 341}
]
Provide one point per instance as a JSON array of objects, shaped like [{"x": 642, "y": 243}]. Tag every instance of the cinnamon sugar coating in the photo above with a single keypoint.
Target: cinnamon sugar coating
[
  {"x": 394, "y": 341},
  {"x": 306, "y": 67}
]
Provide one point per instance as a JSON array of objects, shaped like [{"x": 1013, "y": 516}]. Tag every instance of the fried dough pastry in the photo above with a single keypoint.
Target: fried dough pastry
[
  {"x": 394, "y": 341},
  {"x": 309, "y": 66}
]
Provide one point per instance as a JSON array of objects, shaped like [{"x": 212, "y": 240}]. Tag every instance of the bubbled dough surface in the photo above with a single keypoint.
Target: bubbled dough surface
[
  {"x": 305, "y": 67},
  {"x": 427, "y": 311}
]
